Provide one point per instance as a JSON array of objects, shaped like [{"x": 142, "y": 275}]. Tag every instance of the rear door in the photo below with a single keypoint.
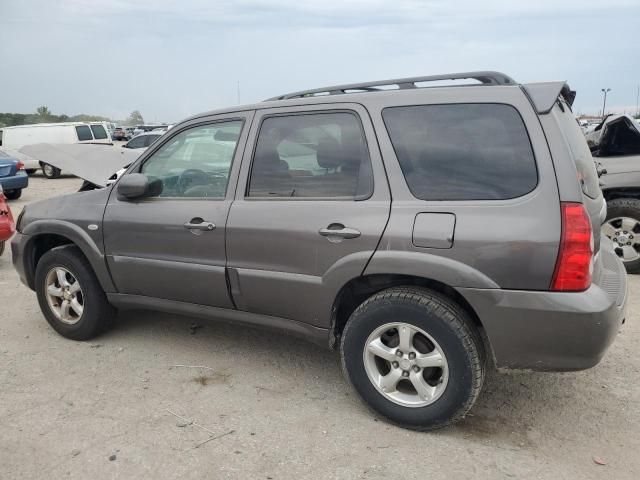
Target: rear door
[{"x": 311, "y": 205}]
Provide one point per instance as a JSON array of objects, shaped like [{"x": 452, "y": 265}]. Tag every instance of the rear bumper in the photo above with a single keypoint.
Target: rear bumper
[
  {"x": 19, "y": 181},
  {"x": 552, "y": 331}
]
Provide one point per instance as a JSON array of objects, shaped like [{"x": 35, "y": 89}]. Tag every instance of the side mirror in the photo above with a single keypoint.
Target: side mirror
[{"x": 138, "y": 185}]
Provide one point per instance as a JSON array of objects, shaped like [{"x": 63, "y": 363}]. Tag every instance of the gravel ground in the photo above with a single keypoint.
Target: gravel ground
[{"x": 279, "y": 406}]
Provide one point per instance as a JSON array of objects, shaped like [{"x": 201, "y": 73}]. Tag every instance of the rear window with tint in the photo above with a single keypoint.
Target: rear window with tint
[
  {"x": 84, "y": 133},
  {"x": 99, "y": 133},
  {"x": 462, "y": 151}
]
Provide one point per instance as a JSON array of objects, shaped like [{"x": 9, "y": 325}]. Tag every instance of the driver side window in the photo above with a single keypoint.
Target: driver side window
[{"x": 196, "y": 162}]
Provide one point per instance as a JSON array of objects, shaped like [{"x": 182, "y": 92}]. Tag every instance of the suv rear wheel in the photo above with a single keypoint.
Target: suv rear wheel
[
  {"x": 70, "y": 295},
  {"x": 623, "y": 227},
  {"x": 414, "y": 357}
]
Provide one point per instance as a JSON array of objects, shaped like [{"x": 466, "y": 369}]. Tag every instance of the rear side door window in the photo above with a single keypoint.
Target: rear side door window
[
  {"x": 99, "y": 133},
  {"x": 137, "y": 142},
  {"x": 84, "y": 133},
  {"x": 319, "y": 155},
  {"x": 462, "y": 151}
]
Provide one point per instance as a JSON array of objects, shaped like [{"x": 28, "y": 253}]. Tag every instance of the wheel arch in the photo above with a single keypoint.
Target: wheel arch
[
  {"x": 46, "y": 235},
  {"x": 358, "y": 289}
]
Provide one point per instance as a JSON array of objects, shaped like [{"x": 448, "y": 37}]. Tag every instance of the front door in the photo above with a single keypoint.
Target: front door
[
  {"x": 173, "y": 246},
  {"x": 311, "y": 205}
]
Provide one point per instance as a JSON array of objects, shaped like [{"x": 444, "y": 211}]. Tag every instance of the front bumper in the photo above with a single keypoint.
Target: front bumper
[
  {"x": 554, "y": 331},
  {"x": 17, "y": 256},
  {"x": 19, "y": 181}
]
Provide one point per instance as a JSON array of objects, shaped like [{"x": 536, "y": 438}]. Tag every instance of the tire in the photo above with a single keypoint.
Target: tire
[
  {"x": 2, "y": 244},
  {"x": 627, "y": 208},
  {"x": 13, "y": 194},
  {"x": 452, "y": 332},
  {"x": 50, "y": 171},
  {"x": 97, "y": 314}
]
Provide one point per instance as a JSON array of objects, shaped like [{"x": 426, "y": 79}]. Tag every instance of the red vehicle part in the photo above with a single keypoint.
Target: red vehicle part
[{"x": 7, "y": 225}]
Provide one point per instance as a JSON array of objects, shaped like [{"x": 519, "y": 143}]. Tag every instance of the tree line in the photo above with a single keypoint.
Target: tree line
[{"x": 44, "y": 115}]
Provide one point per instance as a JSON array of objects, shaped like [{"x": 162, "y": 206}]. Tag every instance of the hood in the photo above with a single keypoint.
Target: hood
[
  {"x": 94, "y": 163},
  {"x": 616, "y": 135}
]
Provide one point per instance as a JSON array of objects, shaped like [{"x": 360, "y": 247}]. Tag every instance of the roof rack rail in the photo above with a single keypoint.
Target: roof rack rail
[{"x": 486, "y": 78}]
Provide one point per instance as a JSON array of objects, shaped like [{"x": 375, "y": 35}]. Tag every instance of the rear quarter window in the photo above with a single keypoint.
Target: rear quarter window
[
  {"x": 84, "y": 133},
  {"x": 462, "y": 151}
]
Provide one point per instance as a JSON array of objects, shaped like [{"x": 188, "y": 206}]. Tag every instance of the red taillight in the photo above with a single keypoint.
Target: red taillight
[
  {"x": 573, "y": 267},
  {"x": 20, "y": 165}
]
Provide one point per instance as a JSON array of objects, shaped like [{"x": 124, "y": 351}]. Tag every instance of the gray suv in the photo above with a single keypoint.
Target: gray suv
[{"x": 425, "y": 233}]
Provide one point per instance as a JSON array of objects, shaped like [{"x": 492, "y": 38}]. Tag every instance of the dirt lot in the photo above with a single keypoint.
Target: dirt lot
[{"x": 280, "y": 406}]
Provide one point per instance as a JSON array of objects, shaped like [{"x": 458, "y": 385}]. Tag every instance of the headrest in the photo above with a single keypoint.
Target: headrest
[{"x": 329, "y": 153}]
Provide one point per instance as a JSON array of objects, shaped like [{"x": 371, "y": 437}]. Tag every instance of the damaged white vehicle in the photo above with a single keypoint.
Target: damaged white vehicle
[
  {"x": 97, "y": 165},
  {"x": 615, "y": 146}
]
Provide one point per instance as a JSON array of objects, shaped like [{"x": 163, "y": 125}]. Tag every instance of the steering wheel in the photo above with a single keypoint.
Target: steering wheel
[{"x": 191, "y": 177}]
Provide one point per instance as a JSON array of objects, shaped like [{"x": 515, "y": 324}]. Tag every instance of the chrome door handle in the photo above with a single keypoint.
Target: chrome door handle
[
  {"x": 344, "y": 232},
  {"x": 194, "y": 224}
]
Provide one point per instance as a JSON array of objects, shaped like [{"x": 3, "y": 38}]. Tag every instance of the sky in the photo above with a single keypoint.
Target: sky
[{"x": 171, "y": 59}]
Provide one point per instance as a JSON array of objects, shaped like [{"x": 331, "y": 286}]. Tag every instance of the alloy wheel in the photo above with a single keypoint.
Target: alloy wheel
[
  {"x": 64, "y": 295},
  {"x": 405, "y": 364}
]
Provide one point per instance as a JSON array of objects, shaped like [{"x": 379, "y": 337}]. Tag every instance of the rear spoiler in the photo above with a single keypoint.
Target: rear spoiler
[{"x": 544, "y": 95}]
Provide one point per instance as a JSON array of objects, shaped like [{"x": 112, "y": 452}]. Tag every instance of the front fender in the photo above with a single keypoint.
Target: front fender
[{"x": 87, "y": 242}]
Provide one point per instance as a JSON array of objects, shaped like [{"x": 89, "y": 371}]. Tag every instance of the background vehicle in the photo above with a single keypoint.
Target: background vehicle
[
  {"x": 616, "y": 148},
  {"x": 7, "y": 225},
  {"x": 120, "y": 134},
  {"x": 420, "y": 231},
  {"x": 14, "y": 138},
  {"x": 142, "y": 140},
  {"x": 13, "y": 177}
]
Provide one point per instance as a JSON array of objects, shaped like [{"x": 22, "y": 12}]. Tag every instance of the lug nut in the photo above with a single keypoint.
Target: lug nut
[
  {"x": 405, "y": 374},
  {"x": 416, "y": 368},
  {"x": 399, "y": 353},
  {"x": 395, "y": 364},
  {"x": 628, "y": 243},
  {"x": 412, "y": 355}
]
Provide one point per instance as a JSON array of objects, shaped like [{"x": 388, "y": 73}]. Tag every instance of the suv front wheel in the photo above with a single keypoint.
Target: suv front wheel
[
  {"x": 414, "y": 357},
  {"x": 70, "y": 295}
]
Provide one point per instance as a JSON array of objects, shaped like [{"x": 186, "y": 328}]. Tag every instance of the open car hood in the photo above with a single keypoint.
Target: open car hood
[
  {"x": 617, "y": 135},
  {"x": 92, "y": 162}
]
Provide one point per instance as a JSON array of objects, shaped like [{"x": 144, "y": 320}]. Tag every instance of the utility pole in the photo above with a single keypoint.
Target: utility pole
[
  {"x": 604, "y": 101},
  {"x": 238, "y": 92}
]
